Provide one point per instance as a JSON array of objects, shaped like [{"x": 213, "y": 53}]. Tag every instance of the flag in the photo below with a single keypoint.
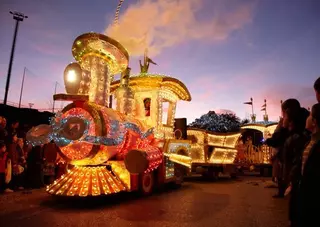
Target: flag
[
  {"x": 264, "y": 105},
  {"x": 263, "y": 109},
  {"x": 248, "y": 103},
  {"x": 150, "y": 61}
]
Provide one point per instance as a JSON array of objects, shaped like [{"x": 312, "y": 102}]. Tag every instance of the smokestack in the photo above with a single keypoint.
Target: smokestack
[
  {"x": 125, "y": 95},
  {"x": 180, "y": 128}
]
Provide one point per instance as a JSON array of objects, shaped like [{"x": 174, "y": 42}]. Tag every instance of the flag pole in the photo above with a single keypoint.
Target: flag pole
[
  {"x": 281, "y": 102},
  {"x": 265, "y": 109},
  {"x": 22, "y": 84},
  {"x": 251, "y": 99}
]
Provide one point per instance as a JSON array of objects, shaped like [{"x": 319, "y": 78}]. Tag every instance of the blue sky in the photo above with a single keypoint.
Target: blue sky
[{"x": 224, "y": 51}]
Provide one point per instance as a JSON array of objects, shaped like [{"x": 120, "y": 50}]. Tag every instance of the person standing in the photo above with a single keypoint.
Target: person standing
[
  {"x": 277, "y": 141},
  {"x": 18, "y": 162},
  {"x": 295, "y": 121},
  {"x": 13, "y": 131},
  {"x": 316, "y": 87},
  {"x": 3, "y": 166},
  {"x": 310, "y": 174},
  {"x": 3, "y": 131},
  {"x": 50, "y": 156}
]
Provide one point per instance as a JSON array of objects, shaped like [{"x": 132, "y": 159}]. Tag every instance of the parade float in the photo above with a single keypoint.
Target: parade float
[
  {"x": 214, "y": 153},
  {"x": 129, "y": 148},
  {"x": 256, "y": 157}
]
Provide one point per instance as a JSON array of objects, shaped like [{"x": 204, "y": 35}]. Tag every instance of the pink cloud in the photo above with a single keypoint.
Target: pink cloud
[
  {"x": 165, "y": 23},
  {"x": 224, "y": 111},
  {"x": 274, "y": 95}
]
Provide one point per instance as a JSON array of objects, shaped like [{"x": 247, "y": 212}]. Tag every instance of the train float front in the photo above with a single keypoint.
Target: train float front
[{"x": 110, "y": 151}]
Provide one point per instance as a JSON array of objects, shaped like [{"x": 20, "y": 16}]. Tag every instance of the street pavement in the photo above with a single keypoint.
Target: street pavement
[{"x": 244, "y": 202}]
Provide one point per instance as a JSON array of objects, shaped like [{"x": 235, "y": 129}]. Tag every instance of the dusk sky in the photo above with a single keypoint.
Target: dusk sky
[{"x": 225, "y": 51}]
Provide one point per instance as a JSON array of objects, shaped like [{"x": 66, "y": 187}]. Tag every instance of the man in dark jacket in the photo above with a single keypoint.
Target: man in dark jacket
[{"x": 278, "y": 140}]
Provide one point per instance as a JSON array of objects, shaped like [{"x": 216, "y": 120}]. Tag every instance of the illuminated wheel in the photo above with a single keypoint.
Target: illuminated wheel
[{"x": 147, "y": 183}]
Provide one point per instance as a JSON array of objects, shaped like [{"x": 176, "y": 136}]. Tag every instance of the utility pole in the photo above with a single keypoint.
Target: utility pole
[
  {"x": 55, "y": 92},
  {"x": 18, "y": 17},
  {"x": 22, "y": 84}
]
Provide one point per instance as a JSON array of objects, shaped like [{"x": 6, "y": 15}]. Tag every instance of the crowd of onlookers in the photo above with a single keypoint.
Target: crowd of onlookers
[
  {"x": 297, "y": 160},
  {"x": 22, "y": 166}
]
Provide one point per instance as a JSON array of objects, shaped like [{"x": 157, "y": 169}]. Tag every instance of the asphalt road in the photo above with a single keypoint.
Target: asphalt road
[{"x": 226, "y": 203}]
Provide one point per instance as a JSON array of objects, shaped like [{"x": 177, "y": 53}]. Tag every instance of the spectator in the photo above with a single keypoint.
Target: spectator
[
  {"x": 35, "y": 167},
  {"x": 3, "y": 165},
  {"x": 277, "y": 141},
  {"x": 12, "y": 131},
  {"x": 50, "y": 156},
  {"x": 310, "y": 171},
  {"x": 316, "y": 87},
  {"x": 3, "y": 131},
  {"x": 294, "y": 120},
  {"x": 4, "y": 161},
  {"x": 18, "y": 162}
]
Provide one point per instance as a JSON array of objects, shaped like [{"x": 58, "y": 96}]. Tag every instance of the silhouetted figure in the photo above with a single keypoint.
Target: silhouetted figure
[{"x": 35, "y": 167}]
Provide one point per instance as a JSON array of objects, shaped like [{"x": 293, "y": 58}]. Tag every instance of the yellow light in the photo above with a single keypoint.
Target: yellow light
[
  {"x": 180, "y": 159},
  {"x": 85, "y": 181},
  {"x": 71, "y": 76}
]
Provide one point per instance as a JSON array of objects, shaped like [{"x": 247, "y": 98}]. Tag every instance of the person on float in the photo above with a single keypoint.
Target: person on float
[
  {"x": 147, "y": 106},
  {"x": 309, "y": 193}
]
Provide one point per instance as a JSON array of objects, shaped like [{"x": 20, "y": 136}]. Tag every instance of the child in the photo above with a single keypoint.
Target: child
[
  {"x": 3, "y": 160},
  {"x": 3, "y": 168}
]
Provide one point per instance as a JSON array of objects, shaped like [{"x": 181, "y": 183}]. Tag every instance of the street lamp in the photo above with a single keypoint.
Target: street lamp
[
  {"x": 18, "y": 17},
  {"x": 55, "y": 92}
]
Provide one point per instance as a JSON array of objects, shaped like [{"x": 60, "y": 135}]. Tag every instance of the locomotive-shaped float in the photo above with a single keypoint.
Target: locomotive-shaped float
[{"x": 132, "y": 147}]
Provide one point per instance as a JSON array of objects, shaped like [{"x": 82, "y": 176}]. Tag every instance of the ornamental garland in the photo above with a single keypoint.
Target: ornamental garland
[{"x": 58, "y": 123}]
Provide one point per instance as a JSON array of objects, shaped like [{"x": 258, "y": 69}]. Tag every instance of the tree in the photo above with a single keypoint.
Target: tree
[
  {"x": 225, "y": 122},
  {"x": 245, "y": 121}
]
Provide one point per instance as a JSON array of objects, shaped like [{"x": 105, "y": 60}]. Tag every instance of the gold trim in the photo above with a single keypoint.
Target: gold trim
[
  {"x": 119, "y": 60},
  {"x": 156, "y": 81},
  {"x": 90, "y": 35}
]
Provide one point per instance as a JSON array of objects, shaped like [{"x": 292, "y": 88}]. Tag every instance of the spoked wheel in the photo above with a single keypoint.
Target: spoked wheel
[{"x": 146, "y": 183}]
